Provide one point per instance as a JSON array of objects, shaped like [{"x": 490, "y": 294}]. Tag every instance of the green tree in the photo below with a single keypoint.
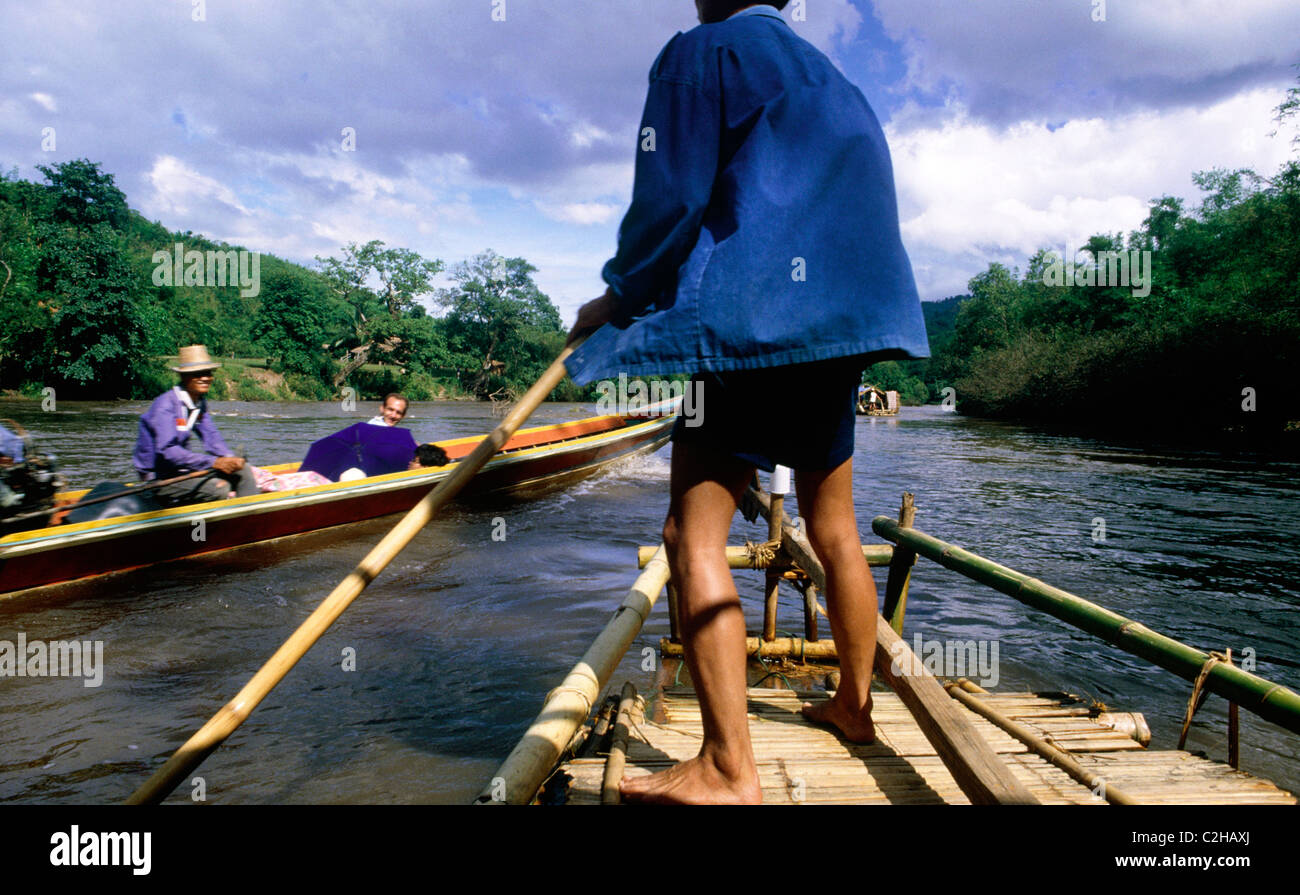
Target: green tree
[
  {"x": 84, "y": 196},
  {"x": 289, "y": 324},
  {"x": 500, "y": 325},
  {"x": 1289, "y": 108},
  {"x": 96, "y": 338},
  {"x": 403, "y": 276},
  {"x": 83, "y": 324}
]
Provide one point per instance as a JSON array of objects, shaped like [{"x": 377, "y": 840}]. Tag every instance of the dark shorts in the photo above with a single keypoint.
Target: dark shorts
[{"x": 801, "y": 416}]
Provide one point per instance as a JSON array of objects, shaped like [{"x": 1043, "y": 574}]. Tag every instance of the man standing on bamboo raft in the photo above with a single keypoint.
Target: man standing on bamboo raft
[{"x": 761, "y": 253}]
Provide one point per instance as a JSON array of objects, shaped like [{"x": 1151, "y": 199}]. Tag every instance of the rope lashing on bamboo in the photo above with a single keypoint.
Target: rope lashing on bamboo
[
  {"x": 762, "y": 553},
  {"x": 638, "y": 708},
  {"x": 1198, "y": 694},
  {"x": 586, "y": 700}
]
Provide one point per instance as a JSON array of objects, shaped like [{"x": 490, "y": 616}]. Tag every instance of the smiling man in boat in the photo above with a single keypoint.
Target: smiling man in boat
[
  {"x": 761, "y": 253},
  {"x": 391, "y": 411},
  {"x": 162, "y": 449}
]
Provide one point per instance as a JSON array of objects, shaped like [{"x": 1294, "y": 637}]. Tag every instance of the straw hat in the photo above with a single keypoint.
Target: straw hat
[{"x": 195, "y": 359}]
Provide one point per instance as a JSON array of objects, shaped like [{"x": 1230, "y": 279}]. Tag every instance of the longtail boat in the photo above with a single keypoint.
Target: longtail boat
[
  {"x": 940, "y": 738},
  {"x": 534, "y": 458}
]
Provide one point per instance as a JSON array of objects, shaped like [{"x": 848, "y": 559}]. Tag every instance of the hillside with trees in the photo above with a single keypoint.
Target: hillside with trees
[
  {"x": 1208, "y": 344},
  {"x": 1201, "y": 336},
  {"x": 94, "y": 298}
]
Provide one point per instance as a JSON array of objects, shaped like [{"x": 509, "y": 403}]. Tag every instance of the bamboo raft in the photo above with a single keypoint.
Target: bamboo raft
[
  {"x": 937, "y": 741},
  {"x": 801, "y": 763}
]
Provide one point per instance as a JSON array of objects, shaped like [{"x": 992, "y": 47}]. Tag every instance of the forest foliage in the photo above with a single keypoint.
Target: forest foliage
[
  {"x": 94, "y": 298},
  {"x": 1210, "y": 341}
]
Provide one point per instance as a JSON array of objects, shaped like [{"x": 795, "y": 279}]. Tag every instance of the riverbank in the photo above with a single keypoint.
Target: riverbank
[{"x": 252, "y": 380}]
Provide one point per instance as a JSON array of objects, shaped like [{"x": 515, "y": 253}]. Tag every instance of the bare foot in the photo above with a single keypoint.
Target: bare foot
[
  {"x": 694, "y": 782},
  {"x": 856, "y": 726}
]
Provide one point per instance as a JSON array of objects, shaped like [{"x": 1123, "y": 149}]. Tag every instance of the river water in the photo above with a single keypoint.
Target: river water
[{"x": 457, "y": 643}]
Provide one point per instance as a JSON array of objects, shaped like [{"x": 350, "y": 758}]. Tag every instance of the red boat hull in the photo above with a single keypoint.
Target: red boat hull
[{"x": 207, "y": 528}]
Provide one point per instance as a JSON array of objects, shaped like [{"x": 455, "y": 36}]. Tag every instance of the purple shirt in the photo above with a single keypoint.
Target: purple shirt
[{"x": 161, "y": 451}]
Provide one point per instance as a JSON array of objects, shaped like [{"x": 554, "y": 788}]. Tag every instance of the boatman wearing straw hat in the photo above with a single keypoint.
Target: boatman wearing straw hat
[
  {"x": 761, "y": 253},
  {"x": 162, "y": 449}
]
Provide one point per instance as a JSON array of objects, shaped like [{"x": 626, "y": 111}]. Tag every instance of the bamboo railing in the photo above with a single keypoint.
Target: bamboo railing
[
  {"x": 1272, "y": 702},
  {"x": 568, "y": 705}
]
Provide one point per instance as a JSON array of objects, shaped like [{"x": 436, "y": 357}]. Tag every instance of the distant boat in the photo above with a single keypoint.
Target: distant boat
[
  {"x": 534, "y": 458},
  {"x": 876, "y": 402}
]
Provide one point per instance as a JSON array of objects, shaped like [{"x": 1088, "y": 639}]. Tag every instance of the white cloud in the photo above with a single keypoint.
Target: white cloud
[
  {"x": 580, "y": 213},
  {"x": 586, "y": 133},
  {"x": 180, "y": 190},
  {"x": 826, "y": 23},
  {"x": 45, "y": 101},
  {"x": 972, "y": 193}
]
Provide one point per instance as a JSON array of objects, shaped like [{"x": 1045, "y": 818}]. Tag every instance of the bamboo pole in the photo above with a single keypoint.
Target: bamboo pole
[
  {"x": 793, "y": 648},
  {"x": 604, "y": 718},
  {"x": 777, "y": 648},
  {"x": 900, "y": 571},
  {"x": 976, "y": 768},
  {"x": 674, "y": 612},
  {"x": 130, "y": 491},
  {"x": 212, "y": 734},
  {"x": 739, "y": 557},
  {"x": 617, "y": 760},
  {"x": 1096, "y": 782},
  {"x": 810, "y": 612},
  {"x": 567, "y": 706},
  {"x": 1272, "y": 702},
  {"x": 773, "y": 578}
]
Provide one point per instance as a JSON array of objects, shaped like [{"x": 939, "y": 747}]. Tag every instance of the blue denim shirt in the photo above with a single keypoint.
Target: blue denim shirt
[{"x": 763, "y": 228}]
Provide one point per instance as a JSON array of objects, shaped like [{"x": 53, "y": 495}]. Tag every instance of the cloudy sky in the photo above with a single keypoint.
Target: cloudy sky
[{"x": 511, "y": 124}]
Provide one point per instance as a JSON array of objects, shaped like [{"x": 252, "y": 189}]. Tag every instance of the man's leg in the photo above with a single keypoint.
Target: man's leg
[
  {"x": 243, "y": 482},
  {"x": 826, "y": 505},
  {"x": 705, "y": 490},
  {"x": 200, "y": 490}
]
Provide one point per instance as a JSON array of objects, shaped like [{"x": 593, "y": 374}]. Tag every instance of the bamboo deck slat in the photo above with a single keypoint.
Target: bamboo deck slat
[{"x": 804, "y": 763}]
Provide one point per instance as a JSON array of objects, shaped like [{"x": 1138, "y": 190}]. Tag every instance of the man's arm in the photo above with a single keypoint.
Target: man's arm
[
  {"x": 162, "y": 423},
  {"x": 222, "y": 457},
  {"x": 677, "y": 162},
  {"x": 213, "y": 443}
]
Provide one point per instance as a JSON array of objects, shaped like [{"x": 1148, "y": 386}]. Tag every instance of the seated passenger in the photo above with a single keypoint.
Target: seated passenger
[
  {"x": 391, "y": 411},
  {"x": 375, "y": 447},
  {"x": 11, "y": 447},
  {"x": 359, "y": 451},
  {"x": 429, "y": 454},
  {"x": 162, "y": 452},
  {"x": 11, "y": 454}
]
